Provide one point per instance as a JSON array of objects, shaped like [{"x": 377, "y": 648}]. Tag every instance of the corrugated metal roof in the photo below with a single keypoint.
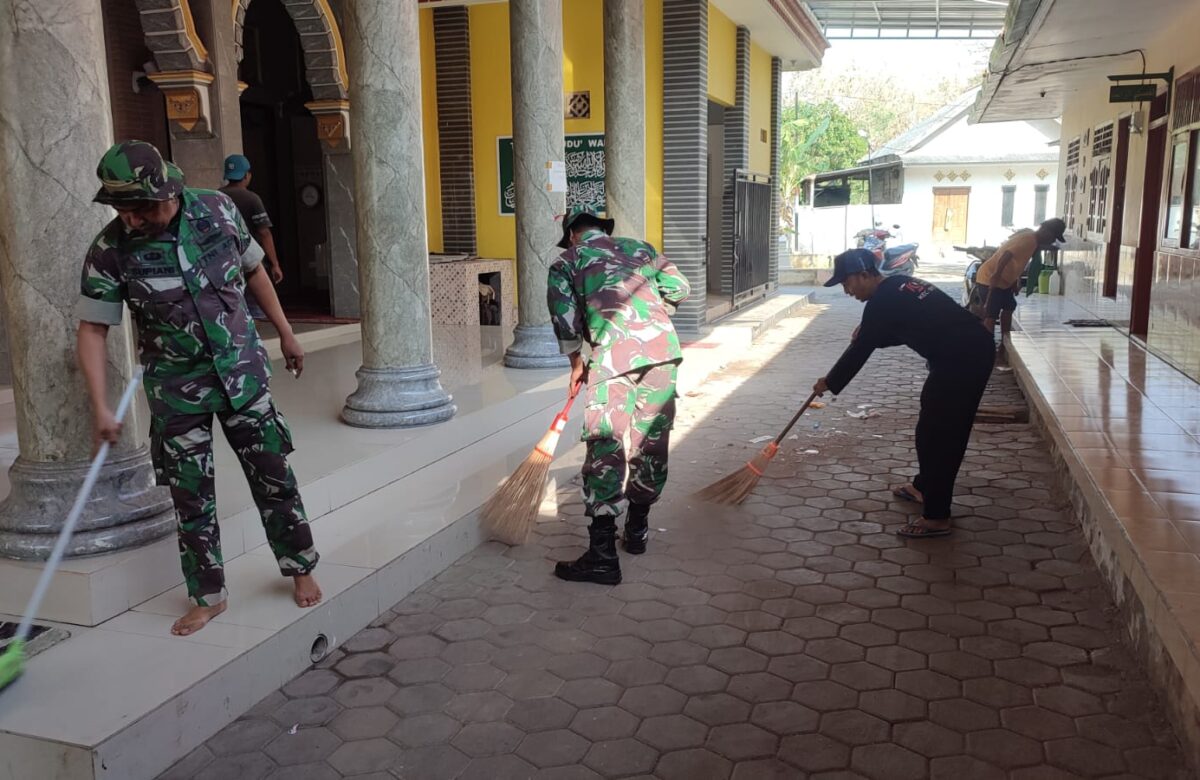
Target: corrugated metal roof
[{"x": 910, "y": 18}]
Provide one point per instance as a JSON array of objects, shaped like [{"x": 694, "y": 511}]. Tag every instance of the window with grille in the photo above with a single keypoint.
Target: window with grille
[
  {"x": 1183, "y": 173},
  {"x": 1008, "y": 198},
  {"x": 1073, "y": 153},
  {"x": 1097, "y": 179},
  {"x": 1102, "y": 142},
  {"x": 1187, "y": 101},
  {"x": 1041, "y": 192}
]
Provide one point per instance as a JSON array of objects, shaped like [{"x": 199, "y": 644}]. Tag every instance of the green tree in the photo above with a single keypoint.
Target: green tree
[{"x": 814, "y": 138}]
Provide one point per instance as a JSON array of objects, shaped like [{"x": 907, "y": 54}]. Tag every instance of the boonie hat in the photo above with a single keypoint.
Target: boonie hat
[
  {"x": 573, "y": 215},
  {"x": 236, "y": 167},
  {"x": 850, "y": 262},
  {"x": 133, "y": 171}
]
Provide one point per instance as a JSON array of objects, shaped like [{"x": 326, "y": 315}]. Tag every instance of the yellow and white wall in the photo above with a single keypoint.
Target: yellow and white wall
[{"x": 583, "y": 70}]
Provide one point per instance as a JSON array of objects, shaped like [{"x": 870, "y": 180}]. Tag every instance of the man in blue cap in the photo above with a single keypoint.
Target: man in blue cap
[
  {"x": 901, "y": 310},
  {"x": 254, "y": 213}
]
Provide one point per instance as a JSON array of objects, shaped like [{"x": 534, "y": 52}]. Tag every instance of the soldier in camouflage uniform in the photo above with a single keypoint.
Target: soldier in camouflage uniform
[
  {"x": 181, "y": 259},
  {"x": 617, "y": 294}
]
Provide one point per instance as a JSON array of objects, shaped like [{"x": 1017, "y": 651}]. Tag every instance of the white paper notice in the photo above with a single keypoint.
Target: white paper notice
[{"x": 556, "y": 176}]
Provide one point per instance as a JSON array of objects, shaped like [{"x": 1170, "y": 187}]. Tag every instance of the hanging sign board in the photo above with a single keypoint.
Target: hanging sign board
[
  {"x": 1132, "y": 93},
  {"x": 584, "y": 169}
]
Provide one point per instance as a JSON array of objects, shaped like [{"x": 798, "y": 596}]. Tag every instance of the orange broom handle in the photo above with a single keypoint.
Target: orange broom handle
[
  {"x": 795, "y": 419},
  {"x": 560, "y": 422}
]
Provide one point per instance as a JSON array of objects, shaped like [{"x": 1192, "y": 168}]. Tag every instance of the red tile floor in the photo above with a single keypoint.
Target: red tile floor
[{"x": 793, "y": 636}]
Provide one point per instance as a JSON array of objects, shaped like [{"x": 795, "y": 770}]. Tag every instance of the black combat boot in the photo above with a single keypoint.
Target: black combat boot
[
  {"x": 599, "y": 564},
  {"x": 637, "y": 528}
]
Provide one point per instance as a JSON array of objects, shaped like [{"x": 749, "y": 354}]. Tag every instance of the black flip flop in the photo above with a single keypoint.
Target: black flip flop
[{"x": 918, "y": 531}]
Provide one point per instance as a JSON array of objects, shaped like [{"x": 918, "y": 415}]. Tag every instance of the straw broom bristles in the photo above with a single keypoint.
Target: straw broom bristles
[
  {"x": 509, "y": 515},
  {"x": 734, "y": 488}
]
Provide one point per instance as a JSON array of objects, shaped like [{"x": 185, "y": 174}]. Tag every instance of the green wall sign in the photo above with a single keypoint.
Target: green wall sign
[{"x": 585, "y": 172}]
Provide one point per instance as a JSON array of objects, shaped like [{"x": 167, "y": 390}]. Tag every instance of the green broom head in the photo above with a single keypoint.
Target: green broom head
[{"x": 12, "y": 662}]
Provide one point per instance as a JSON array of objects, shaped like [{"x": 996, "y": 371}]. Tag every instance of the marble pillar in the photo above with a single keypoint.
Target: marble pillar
[
  {"x": 342, "y": 246},
  {"x": 398, "y": 383},
  {"x": 625, "y": 115},
  {"x": 538, "y": 139},
  {"x": 57, "y": 123},
  {"x": 202, "y": 157}
]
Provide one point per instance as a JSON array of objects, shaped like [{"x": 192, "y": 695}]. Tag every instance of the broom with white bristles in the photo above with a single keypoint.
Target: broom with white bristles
[{"x": 509, "y": 515}]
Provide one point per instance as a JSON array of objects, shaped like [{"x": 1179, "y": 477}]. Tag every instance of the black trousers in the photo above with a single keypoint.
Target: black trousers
[{"x": 949, "y": 402}]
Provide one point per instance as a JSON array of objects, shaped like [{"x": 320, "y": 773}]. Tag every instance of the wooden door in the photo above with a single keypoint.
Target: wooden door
[
  {"x": 1152, "y": 197},
  {"x": 950, "y": 214}
]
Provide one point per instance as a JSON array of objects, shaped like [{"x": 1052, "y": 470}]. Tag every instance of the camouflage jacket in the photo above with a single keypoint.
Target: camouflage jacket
[
  {"x": 185, "y": 291},
  {"x": 616, "y": 294}
]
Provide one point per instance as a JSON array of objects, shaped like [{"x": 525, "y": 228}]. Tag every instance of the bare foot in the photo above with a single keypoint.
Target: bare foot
[
  {"x": 195, "y": 619},
  {"x": 307, "y": 591}
]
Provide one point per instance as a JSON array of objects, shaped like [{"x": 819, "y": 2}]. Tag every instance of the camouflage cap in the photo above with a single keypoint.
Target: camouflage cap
[
  {"x": 134, "y": 171},
  {"x": 573, "y": 215}
]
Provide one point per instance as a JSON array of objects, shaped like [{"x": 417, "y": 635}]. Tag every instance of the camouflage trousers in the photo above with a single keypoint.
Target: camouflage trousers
[
  {"x": 181, "y": 446},
  {"x": 638, "y": 406}
]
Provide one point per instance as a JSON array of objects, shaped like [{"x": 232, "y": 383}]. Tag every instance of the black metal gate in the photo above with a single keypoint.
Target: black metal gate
[{"x": 751, "y": 235}]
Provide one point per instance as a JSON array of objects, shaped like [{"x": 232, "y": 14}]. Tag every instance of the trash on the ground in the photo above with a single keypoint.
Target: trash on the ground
[
  {"x": 295, "y": 727},
  {"x": 761, "y": 439},
  {"x": 812, "y": 452},
  {"x": 1003, "y": 369},
  {"x": 877, "y": 435},
  {"x": 817, "y": 425},
  {"x": 793, "y": 437},
  {"x": 661, "y": 530},
  {"x": 863, "y": 414},
  {"x": 817, "y": 405}
]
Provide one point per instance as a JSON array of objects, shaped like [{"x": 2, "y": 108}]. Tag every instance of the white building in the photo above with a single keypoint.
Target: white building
[{"x": 944, "y": 181}]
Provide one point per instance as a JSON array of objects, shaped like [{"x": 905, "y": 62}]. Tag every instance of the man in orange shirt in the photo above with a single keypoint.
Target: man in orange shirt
[{"x": 998, "y": 279}]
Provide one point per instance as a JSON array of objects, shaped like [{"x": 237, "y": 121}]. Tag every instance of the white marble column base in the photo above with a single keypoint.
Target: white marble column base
[
  {"x": 534, "y": 346},
  {"x": 398, "y": 398},
  {"x": 126, "y": 508}
]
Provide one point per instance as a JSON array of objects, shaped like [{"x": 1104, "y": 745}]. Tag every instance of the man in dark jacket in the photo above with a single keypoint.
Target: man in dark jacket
[{"x": 901, "y": 310}]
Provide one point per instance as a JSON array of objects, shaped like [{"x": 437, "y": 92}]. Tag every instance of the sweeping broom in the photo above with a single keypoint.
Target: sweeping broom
[
  {"x": 12, "y": 662},
  {"x": 509, "y": 515},
  {"x": 734, "y": 488}
]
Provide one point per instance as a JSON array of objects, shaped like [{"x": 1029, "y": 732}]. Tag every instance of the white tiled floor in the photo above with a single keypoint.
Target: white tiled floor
[{"x": 336, "y": 465}]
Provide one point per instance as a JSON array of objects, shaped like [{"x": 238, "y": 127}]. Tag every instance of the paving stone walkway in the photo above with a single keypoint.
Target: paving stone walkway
[{"x": 794, "y": 636}]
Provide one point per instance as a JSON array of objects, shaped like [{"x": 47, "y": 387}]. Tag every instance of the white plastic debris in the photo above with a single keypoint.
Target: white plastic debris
[
  {"x": 812, "y": 452},
  {"x": 793, "y": 437},
  {"x": 864, "y": 414},
  {"x": 295, "y": 727},
  {"x": 761, "y": 439}
]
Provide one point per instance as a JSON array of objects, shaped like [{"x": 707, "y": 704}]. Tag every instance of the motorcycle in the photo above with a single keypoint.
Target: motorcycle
[
  {"x": 893, "y": 261},
  {"x": 977, "y": 254}
]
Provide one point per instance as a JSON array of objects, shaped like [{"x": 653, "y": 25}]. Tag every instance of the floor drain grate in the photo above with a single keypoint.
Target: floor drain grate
[
  {"x": 41, "y": 637},
  {"x": 1088, "y": 323}
]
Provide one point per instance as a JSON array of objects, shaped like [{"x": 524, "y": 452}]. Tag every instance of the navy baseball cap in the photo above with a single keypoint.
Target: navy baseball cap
[
  {"x": 850, "y": 262},
  {"x": 236, "y": 167}
]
